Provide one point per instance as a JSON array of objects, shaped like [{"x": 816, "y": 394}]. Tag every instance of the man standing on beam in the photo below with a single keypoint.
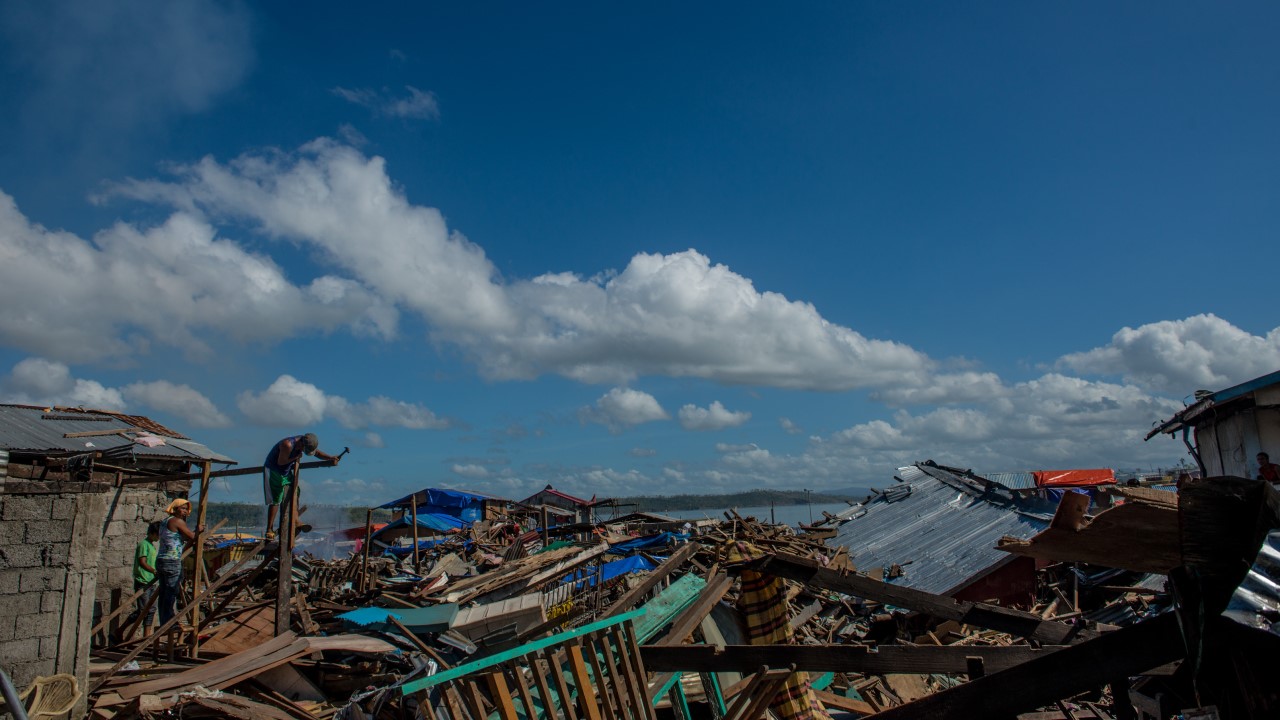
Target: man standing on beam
[{"x": 280, "y": 469}]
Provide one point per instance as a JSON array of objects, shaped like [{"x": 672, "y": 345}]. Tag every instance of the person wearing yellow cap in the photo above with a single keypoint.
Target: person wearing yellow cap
[
  {"x": 173, "y": 533},
  {"x": 280, "y": 469}
]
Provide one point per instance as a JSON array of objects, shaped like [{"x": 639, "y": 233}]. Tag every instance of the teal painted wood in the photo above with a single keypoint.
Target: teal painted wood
[
  {"x": 822, "y": 683},
  {"x": 660, "y": 611},
  {"x": 513, "y": 653}
]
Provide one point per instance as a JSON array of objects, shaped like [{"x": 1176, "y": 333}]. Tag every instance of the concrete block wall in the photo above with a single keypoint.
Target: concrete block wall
[
  {"x": 50, "y": 538},
  {"x": 129, "y": 511}
]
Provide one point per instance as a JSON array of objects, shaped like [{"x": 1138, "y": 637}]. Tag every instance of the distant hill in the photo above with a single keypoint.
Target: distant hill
[{"x": 749, "y": 498}]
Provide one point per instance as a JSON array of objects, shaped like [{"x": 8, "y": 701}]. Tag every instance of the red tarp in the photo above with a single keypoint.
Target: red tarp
[{"x": 1074, "y": 478}]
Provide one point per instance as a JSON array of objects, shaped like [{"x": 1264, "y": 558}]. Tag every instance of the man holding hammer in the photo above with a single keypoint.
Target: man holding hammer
[{"x": 281, "y": 469}]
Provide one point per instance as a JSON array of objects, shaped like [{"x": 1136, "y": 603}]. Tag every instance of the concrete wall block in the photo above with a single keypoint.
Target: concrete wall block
[
  {"x": 21, "y": 556},
  {"x": 57, "y": 554},
  {"x": 51, "y": 601},
  {"x": 43, "y": 579},
  {"x": 62, "y": 508},
  {"x": 24, "y": 507},
  {"x": 9, "y": 583},
  {"x": 49, "y": 647},
  {"x": 39, "y": 625},
  {"x": 115, "y": 528},
  {"x": 47, "y": 531},
  {"x": 24, "y": 673},
  {"x": 7, "y": 624},
  {"x": 12, "y": 533},
  {"x": 23, "y": 649},
  {"x": 118, "y": 576}
]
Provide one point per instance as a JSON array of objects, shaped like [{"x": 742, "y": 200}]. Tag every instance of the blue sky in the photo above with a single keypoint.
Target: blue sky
[{"x": 646, "y": 249}]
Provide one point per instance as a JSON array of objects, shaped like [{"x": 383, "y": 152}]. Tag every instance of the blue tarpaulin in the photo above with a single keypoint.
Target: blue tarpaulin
[
  {"x": 660, "y": 540},
  {"x": 611, "y": 570},
  {"x": 435, "y": 522},
  {"x": 464, "y": 505}
]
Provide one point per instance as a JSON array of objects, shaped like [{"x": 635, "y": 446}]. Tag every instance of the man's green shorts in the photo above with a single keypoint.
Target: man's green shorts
[{"x": 274, "y": 485}]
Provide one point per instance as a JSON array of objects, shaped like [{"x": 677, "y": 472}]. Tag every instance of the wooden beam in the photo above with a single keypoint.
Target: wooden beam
[
  {"x": 198, "y": 575},
  {"x": 993, "y": 617},
  {"x": 413, "y": 508},
  {"x": 284, "y": 574},
  {"x": 1128, "y": 651},
  {"x": 910, "y": 659},
  {"x": 235, "y": 472}
]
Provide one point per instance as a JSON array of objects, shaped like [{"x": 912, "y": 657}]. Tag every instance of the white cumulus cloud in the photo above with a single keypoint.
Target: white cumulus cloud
[
  {"x": 714, "y": 417},
  {"x": 167, "y": 284},
  {"x": 1179, "y": 356},
  {"x": 621, "y": 408},
  {"x": 289, "y": 402},
  {"x": 676, "y": 315},
  {"x": 37, "y": 381},
  {"x": 180, "y": 400}
]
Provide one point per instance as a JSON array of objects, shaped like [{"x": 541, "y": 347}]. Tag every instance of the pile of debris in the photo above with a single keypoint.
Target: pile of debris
[{"x": 646, "y": 616}]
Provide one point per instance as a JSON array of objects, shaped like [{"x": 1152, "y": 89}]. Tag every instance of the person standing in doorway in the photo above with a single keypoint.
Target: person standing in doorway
[
  {"x": 1268, "y": 470},
  {"x": 280, "y": 470}
]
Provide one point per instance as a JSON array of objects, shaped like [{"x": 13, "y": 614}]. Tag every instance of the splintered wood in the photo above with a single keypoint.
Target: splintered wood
[{"x": 636, "y": 620}]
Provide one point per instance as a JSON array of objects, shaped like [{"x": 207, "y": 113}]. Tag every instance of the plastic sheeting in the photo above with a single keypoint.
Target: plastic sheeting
[
  {"x": 1074, "y": 478},
  {"x": 464, "y": 505},
  {"x": 660, "y": 540},
  {"x": 611, "y": 570}
]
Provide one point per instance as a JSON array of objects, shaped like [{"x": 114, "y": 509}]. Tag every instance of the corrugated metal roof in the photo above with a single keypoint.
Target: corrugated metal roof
[
  {"x": 1013, "y": 480},
  {"x": 36, "y": 430},
  {"x": 946, "y": 528},
  {"x": 1257, "y": 600}
]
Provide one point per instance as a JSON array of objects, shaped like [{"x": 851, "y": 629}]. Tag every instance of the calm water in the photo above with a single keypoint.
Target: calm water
[{"x": 785, "y": 514}]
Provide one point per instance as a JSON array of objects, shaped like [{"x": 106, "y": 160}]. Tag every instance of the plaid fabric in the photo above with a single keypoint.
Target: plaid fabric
[{"x": 763, "y": 604}]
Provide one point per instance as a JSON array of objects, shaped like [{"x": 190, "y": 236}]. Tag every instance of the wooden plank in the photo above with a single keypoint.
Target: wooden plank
[
  {"x": 605, "y": 686},
  {"x": 237, "y": 472},
  {"x": 1138, "y": 536},
  {"x": 537, "y": 667},
  {"x": 556, "y": 661},
  {"x": 501, "y": 695},
  {"x": 658, "y": 612},
  {"x": 831, "y": 701},
  {"x": 526, "y": 698},
  {"x": 840, "y": 658},
  {"x": 1015, "y": 622},
  {"x": 1125, "y": 652},
  {"x": 621, "y": 688},
  {"x": 208, "y": 673},
  {"x": 582, "y": 681}
]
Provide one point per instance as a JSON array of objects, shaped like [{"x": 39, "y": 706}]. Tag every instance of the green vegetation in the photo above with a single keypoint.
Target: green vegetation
[{"x": 749, "y": 498}]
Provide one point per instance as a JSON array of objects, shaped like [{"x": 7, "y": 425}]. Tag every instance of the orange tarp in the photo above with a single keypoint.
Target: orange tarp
[{"x": 1074, "y": 478}]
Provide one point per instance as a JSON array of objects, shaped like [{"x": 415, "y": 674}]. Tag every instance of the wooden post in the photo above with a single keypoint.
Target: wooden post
[
  {"x": 546, "y": 532},
  {"x": 417, "y": 562},
  {"x": 364, "y": 560},
  {"x": 198, "y": 574},
  {"x": 284, "y": 579}
]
